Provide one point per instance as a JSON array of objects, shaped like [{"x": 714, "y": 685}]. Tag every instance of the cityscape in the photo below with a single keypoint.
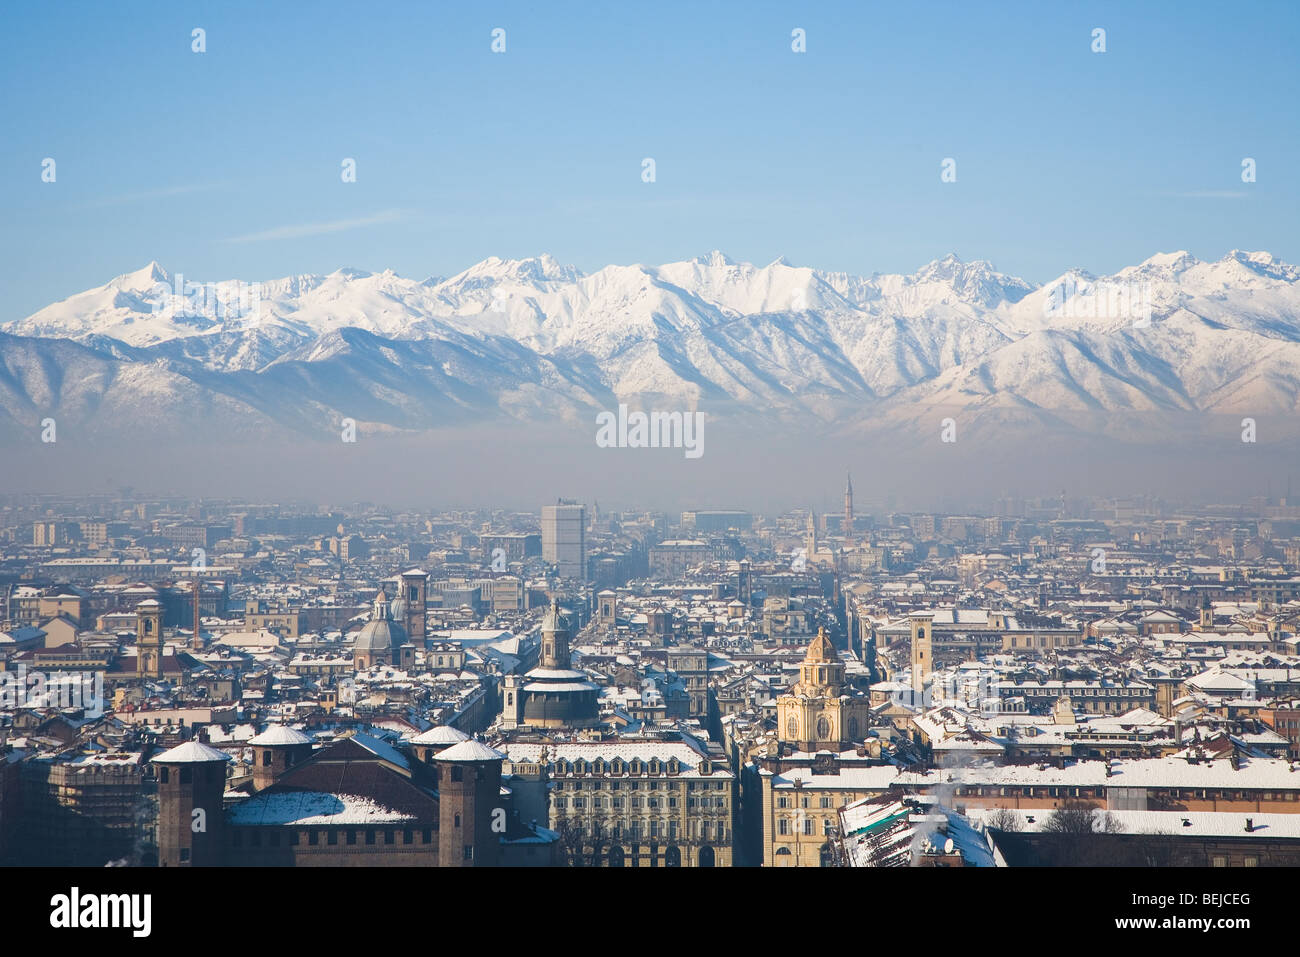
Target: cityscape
[
  {"x": 1056, "y": 681},
  {"x": 641, "y": 437}
]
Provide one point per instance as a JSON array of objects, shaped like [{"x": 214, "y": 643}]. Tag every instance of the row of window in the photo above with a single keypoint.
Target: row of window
[
  {"x": 784, "y": 825},
  {"x": 824, "y": 801},
  {"x": 636, "y": 785},
  {"x": 277, "y": 837},
  {"x": 1202, "y": 794},
  {"x": 653, "y": 803},
  {"x": 635, "y": 830},
  {"x": 619, "y": 766}
]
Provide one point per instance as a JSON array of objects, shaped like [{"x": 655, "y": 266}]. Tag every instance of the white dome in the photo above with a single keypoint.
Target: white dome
[
  {"x": 442, "y": 734},
  {"x": 278, "y": 734}
]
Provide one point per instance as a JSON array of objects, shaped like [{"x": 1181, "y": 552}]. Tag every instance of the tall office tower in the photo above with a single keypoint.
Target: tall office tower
[{"x": 563, "y": 539}]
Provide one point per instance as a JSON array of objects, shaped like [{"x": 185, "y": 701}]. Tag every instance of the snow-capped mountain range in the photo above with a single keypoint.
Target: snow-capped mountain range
[{"x": 535, "y": 340}]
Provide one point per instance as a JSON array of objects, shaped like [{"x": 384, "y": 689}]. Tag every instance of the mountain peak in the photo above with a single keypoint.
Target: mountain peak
[
  {"x": 1263, "y": 264},
  {"x": 543, "y": 268},
  {"x": 1260, "y": 258},
  {"x": 144, "y": 278},
  {"x": 714, "y": 258},
  {"x": 1178, "y": 260}
]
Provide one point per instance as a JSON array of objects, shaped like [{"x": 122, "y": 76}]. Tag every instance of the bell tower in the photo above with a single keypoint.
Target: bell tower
[
  {"x": 148, "y": 639},
  {"x": 415, "y": 593},
  {"x": 922, "y": 648}
]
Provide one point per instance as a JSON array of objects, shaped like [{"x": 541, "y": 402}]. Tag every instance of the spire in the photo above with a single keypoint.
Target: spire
[{"x": 848, "y": 503}]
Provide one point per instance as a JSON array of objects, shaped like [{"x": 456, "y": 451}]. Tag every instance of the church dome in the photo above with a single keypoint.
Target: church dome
[
  {"x": 381, "y": 634},
  {"x": 821, "y": 649}
]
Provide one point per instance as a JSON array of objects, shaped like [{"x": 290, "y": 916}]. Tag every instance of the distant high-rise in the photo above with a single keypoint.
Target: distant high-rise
[{"x": 564, "y": 541}]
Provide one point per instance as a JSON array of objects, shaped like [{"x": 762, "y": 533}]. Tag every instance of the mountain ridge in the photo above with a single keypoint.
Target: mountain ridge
[{"x": 537, "y": 340}]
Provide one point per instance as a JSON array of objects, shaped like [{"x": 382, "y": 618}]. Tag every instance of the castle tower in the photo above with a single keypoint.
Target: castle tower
[
  {"x": 275, "y": 751},
  {"x": 415, "y": 591},
  {"x": 922, "y": 648},
  {"x": 555, "y": 640},
  {"x": 429, "y": 744},
  {"x": 191, "y": 821},
  {"x": 471, "y": 818},
  {"x": 848, "y": 505},
  {"x": 148, "y": 639}
]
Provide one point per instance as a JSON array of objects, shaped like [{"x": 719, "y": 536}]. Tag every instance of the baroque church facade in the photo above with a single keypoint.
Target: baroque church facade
[{"x": 818, "y": 714}]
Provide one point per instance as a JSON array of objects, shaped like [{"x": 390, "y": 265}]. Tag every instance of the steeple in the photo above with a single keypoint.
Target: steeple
[
  {"x": 848, "y": 504},
  {"x": 555, "y": 639}
]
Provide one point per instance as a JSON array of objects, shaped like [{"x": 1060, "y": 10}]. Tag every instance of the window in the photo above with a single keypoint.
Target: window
[
  {"x": 333, "y": 838},
  {"x": 783, "y": 826},
  {"x": 408, "y": 836},
  {"x": 807, "y": 825},
  {"x": 370, "y": 835},
  {"x": 469, "y": 852},
  {"x": 352, "y": 837},
  {"x": 313, "y": 838},
  {"x": 457, "y": 820},
  {"x": 185, "y": 853},
  {"x": 1219, "y": 860}
]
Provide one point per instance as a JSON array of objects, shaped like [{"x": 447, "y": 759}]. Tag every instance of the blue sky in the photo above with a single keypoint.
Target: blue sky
[{"x": 226, "y": 164}]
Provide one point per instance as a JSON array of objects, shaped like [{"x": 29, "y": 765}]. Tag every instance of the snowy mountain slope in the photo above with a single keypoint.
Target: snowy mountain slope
[{"x": 535, "y": 340}]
